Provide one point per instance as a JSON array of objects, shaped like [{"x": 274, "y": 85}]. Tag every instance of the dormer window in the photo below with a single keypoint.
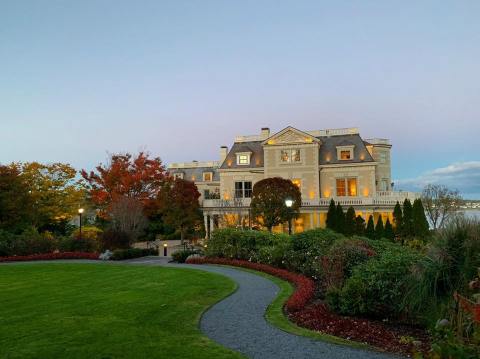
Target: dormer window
[
  {"x": 207, "y": 176},
  {"x": 243, "y": 158},
  {"x": 178, "y": 175},
  {"x": 345, "y": 153}
]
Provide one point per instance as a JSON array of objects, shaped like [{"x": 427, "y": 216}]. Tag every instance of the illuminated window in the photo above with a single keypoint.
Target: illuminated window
[
  {"x": 346, "y": 187},
  {"x": 352, "y": 187},
  {"x": 207, "y": 176},
  {"x": 287, "y": 156},
  {"x": 345, "y": 155},
  {"x": 243, "y": 158},
  {"x": 178, "y": 175},
  {"x": 341, "y": 187}
]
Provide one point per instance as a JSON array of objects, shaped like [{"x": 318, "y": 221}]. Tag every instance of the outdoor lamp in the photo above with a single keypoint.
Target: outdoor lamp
[
  {"x": 80, "y": 211},
  {"x": 289, "y": 204}
]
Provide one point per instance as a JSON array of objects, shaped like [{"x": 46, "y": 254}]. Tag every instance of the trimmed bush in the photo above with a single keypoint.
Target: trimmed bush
[
  {"x": 27, "y": 243},
  {"x": 239, "y": 244},
  {"x": 50, "y": 256},
  {"x": 120, "y": 254},
  {"x": 377, "y": 287}
]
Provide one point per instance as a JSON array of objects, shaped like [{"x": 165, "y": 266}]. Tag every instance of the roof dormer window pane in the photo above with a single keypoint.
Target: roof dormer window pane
[
  {"x": 243, "y": 158},
  {"x": 345, "y": 155}
]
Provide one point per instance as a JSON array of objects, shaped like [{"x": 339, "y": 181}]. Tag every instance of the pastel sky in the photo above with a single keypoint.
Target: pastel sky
[{"x": 180, "y": 78}]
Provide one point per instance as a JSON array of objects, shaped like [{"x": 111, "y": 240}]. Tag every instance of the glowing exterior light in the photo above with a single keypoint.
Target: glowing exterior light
[
  {"x": 80, "y": 210},
  {"x": 288, "y": 203},
  {"x": 165, "y": 244}
]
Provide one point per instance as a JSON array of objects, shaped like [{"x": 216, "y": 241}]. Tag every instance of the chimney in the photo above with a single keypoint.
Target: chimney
[
  {"x": 265, "y": 132},
  {"x": 223, "y": 153}
]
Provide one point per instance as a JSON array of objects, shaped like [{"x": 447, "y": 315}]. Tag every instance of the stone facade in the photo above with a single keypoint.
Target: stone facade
[{"x": 325, "y": 164}]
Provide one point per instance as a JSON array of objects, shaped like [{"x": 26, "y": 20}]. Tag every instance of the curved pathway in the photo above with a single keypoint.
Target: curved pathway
[{"x": 237, "y": 322}]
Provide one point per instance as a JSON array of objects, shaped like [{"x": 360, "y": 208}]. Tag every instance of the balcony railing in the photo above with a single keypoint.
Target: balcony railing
[{"x": 384, "y": 198}]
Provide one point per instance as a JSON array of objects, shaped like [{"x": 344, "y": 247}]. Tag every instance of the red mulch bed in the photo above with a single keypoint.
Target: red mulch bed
[
  {"x": 50, "y": 256},
  {"x": 316, "y": 316}
]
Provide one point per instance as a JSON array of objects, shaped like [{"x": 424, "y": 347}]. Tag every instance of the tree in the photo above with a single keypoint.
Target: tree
[
  {"x": 340, "y": 219},
  {"x": 268, "y": 201},
  {"x": 139, "y": 177},
  {"x": 332, "y": 215},
  {"x": 127, "y": 216},
  {"x": 379, "y": 228},
  {"x": 420, "y": 223},
  {"x": 407, "y": 229},
  {"x": 179, "y": 206},
  {"x": 388, "y": 233},
  {"x": 350, "y": 222},
  {"x": 398, "y": 219},
  {"x": 440, "y": 204},
  {"x": 370, "y": 231},
  {"x": 359, "y": 226},
  {"x": 15, "y": 201},
  {"x": 55, "y": 192}
]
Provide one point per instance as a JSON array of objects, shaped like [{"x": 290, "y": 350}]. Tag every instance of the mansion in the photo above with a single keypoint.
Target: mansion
[{"x": 324, "y": 164}]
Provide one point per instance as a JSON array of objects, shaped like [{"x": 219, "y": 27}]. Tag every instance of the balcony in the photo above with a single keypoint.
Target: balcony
[{"x": 382, "y": 198}]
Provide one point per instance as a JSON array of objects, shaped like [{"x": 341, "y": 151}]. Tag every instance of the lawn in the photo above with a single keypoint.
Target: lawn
[{"x": 107, "y": 311}]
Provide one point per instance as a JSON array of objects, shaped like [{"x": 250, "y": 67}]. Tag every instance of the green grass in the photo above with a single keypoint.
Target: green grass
[{"x": 107, "y": 311}]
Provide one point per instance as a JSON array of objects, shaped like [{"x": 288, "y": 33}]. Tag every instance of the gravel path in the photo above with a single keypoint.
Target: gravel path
[{"x": 238, "y": 322}]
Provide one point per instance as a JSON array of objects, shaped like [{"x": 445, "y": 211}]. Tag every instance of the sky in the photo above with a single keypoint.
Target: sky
[{"x": 81, "y": 79}]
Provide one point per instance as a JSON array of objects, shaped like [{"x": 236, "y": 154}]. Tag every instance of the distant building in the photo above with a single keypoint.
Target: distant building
[{"x": 324, "y": 164}]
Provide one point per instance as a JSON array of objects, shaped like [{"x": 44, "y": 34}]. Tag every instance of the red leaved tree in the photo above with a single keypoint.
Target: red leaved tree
[
  {"x": 139, "y": 177},
  {"x": 179, "y": 206}
]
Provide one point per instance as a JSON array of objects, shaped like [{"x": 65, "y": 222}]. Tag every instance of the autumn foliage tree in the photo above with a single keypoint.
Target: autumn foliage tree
[
  {"x": 139, "y": 177},
  {"x": 178, "y": 203},
  {"x": 268, "y": 201}
]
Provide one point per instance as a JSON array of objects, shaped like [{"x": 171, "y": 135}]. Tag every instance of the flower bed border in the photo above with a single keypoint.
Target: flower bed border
[
  {"x": 50, "y": 256},
  {"x": 304, "y": 286}
]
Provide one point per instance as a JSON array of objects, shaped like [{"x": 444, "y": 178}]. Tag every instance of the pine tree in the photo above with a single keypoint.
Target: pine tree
[
  {"x": 340, "y": 219},
  {"x": 379, "y": 229},
  {"x": 370, "y": 231},
  {"x": 359, "y": 226},
  {"x": 420, "y": 223},
  {"x": 350, "y": 222},
  {"x": 388, "y": 233},
  {"x": 332, "y": 216},
  {"x": 398, "y": 219},
  {"x": 407, "y": 229}
]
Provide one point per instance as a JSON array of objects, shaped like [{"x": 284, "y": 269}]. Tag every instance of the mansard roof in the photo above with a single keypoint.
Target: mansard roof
[
  {"x": 256, "y": 157},
  {"x": 328, "y": 149}
]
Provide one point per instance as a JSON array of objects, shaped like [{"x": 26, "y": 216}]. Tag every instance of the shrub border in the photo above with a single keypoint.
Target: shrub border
[{"x": 50, "y": 256}]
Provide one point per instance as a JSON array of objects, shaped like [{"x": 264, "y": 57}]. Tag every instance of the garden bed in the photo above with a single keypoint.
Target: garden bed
[
  {"x": 50, "y": 256},
  {"x": 317, "y": 316}
]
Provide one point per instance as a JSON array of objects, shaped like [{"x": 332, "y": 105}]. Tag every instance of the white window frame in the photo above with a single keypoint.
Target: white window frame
[
  {"x": 341, "y": 149},
  {"x": 241, "y": 156},
  {"x": 178, "y": 175},
  {"x": 290, "y": 156}
]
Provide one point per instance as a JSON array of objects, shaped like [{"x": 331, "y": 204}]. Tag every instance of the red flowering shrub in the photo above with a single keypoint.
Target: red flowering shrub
[
  {"x": 304, "y": 287},
  {"x": 50, "y": 256}
]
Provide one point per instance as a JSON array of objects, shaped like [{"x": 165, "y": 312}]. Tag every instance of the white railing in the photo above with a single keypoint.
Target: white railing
[
  {"x": 250, "y": 138},
  {"x": 226, "y": 203},
  {"x": 378, "y": 141},
  {"x": 334, "y": 132},
  {"x": 193, "y": 164},
  {"x": 384, "y": 198}
]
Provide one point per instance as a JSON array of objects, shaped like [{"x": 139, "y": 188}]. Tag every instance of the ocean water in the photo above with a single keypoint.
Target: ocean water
[{"x": 472, "y": 213}]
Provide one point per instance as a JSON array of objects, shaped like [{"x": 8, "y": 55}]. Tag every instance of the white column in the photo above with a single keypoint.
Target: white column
[
  {"x": 212, "y": 223},
  {"x": 205, "y": 221}
]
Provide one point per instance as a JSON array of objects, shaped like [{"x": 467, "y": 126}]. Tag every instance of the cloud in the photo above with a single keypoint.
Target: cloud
[{"x": 464, "y": 176}]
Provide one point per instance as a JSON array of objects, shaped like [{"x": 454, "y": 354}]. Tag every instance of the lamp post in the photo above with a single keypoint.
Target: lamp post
[
  {"x": 80, "y": 212},
  {"x": 289, "y": 204}
]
